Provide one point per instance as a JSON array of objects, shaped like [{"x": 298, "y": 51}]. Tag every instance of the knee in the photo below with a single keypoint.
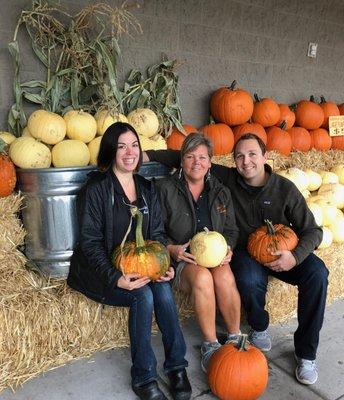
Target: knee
[
  {"x": 320, "y": 273},
  {"x": 144, "y": 298},
  {"x": 203, "y": 282},
  {"x": 224, "y": 279}
]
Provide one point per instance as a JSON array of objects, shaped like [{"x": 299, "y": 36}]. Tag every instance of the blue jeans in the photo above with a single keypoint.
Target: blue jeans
[
  {"x": 311, "y": 279},
  {"x": 157, "y": 297}
]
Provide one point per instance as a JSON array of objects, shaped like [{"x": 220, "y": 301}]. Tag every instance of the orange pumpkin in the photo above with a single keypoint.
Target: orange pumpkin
[
  {"x": 309, "y": 115},
  {"x": 176, "y": 138},
  {"x": 320, "y": 139},
  {"x": 279, "y": 140},
  {"x": 329, "y": 109},
  {"x": 300, "y": 138},
  {"x": 146, "y": 258},
  {"x": 8, "y": 177},
  {"x": 222, "y": 137},
  {"x": 337, "y": 143},
  {"x": 341, "y": 108},
  {"x": 265, "y": 112},
  {"x": 248, "y": 127},
  {"x": 231, "y": 106},
  {"x": 270, "y": 238},
  {"x": 238, "y": 371},
  {"x": 287, "y": 116}
]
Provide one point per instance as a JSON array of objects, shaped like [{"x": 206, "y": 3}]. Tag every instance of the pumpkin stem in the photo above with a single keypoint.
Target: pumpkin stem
[
  {"x": 270, "y": 227},
  {"x": 256, "y": 97},
  {"x": 211, "y": 120},
  {"x": 135, "y": 212},
  {"x": 322, "y": 99},
  {"x": 283, "y": 124},
  {"x": 242, "y": 342},
  {"x": 233, "y": 85},
  {"x": 206, "y": 230}
]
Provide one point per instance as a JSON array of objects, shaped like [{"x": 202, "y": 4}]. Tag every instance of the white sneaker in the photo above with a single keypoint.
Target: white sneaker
[
  {"x": 306, "y": 371},
  {"x": 232, "y": 337},
  {"x": 207, "y": 350}
]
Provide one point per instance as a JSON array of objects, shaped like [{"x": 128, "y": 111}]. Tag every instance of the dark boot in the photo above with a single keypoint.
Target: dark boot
[
  {"x": 149, "y": 391},
  {"x": 180, "y": 387}
]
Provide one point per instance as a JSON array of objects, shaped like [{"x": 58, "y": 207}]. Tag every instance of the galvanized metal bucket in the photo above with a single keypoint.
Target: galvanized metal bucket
[{"x": 49, "y": 213}]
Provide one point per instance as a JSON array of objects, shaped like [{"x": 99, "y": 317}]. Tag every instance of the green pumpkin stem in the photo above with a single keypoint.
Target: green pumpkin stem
[
  {"x": 135, "y": 212},
  {"x": 269, "y": 225},
  {"x": 242, "y": 342}
]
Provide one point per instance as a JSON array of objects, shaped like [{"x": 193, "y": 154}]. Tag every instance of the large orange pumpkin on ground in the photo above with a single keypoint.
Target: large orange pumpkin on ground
[
  {"x": 265, "y": 112},
  {"x": 337, "y": 143},
  {"x": 309, "y": 115},
  {"x": 8, "y": 176},
  {"x": 248, "y": 127},
  {"x": 231, "y": 105},
  {"x": 270, "y": 238},
  {"x": 330, "y": 109},
  {"x": 146, "y": 258},
  {"x": 176, "y": 138},
  {"x": 222, "y": 137},
  {"x": 238, "y": 371},
  {"x": 300, "y": 138},
  {"x": 320, "y": 139},
  {"x": 278, "y": 140}
]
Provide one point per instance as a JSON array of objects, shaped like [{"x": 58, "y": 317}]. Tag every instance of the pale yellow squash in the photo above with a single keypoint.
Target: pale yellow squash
[
  {"x": 70, "y": 153},
  {"x": 47, "y": 126},
  {"x": 80, "y": 125},
  {"x": 27, "y": 152},
  {"x": 145, "y": 121},
  {"x": 105, "y": 118}
]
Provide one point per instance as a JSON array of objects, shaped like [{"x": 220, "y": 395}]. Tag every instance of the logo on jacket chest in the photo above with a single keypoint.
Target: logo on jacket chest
[{"x": 221, "y": 208}]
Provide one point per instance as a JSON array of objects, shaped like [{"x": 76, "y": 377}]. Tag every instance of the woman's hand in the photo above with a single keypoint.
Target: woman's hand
[
  {"x": 168, "y": 276},
  {"x": 132, "y": 281},
  {"x": 178, "y": 253},
  {"x": 228, "y": 257}
]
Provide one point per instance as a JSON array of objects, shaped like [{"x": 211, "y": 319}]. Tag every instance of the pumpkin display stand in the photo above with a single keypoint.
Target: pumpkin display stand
[{"x": 44, "y": 324}]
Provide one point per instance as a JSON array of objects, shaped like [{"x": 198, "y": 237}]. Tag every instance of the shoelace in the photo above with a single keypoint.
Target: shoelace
[{"x": 307, "y": 364}]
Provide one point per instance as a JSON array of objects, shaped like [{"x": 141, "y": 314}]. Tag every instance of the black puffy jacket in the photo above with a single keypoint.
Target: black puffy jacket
[{"x": 99, "y": 206}]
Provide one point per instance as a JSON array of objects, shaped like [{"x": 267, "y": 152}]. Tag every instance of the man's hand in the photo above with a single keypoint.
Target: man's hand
[
  {"x": 228, "y": 257},
  {"x": 132, "y": 281},
  {"x": 168, "y": 276},
  {"x": 285, "y": 261},
  {"x": 178, "y": 253}
]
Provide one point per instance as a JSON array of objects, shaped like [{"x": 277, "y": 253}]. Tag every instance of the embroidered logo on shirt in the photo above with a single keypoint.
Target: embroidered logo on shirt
[
  {"x": 221, "y": 208},
  {"x": 267, "y": 202}
]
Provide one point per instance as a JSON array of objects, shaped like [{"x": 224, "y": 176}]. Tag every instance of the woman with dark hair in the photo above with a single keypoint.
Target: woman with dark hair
[
  {"x": 191, "y": 200},
  {"x": 104, "y": 211}
]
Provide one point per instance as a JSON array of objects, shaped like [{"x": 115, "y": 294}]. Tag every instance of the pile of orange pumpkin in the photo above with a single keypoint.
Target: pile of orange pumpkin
[{"x": 282, "y": 128}]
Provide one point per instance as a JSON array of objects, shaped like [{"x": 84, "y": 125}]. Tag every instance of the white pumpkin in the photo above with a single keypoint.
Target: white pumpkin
[
  {"x": 339, "y": 171},
  {"x": 315, "y": 180},
  {"x": 329, "y": 211},
  {"x": 70, "y": 153},
  {"x": 27, "y": 152},
  {"x": 93, "y": 147},
  {"x": 297, "y": 176},
  {"x": 334, "y": 192},
  {"x": 328, "y": 177},
  {"x": 7, "y": 137},
  {"x": 327, "y": 238},
  {"x": 159, "y": 142},
  {"x": 337, "y": 229},
  {"x": 209, "y": 248},
  {"x": 47, "y": 126},
  {"x": 145, "y": 121},
  {"x": 80, "y": 125},
  {"x": 26, "y": 132},
  {"x": 306, "y": 193},
  {"x": 105, "y": 118},
  {"x": 317, "y": 212}
]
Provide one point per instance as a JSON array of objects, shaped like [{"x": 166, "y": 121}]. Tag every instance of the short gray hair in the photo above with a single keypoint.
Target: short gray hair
[{"x": 194, "y": 140}]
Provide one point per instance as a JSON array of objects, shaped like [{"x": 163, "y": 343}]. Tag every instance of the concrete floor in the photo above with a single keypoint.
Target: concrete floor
[{"x": 105, "y": 375}]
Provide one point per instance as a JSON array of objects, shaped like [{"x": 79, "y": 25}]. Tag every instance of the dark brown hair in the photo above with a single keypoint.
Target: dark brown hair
[{"x": 248, "y": 136}]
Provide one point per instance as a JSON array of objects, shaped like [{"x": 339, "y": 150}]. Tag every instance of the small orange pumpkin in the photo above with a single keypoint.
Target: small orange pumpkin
[
  {"x": 278, "y": 139},
  {"x": 248, "y": 127},
  {"x": 300, "y": 138},
  {"x": 265, "y": 112},
  {"x": 176, "y": 138},
  {"x": 330, "y": 109},
  {"x": 287, "y": 115},
  {"x": 146, "y": 258},
  {"x": 8, "y": 176},
  {"x": 238, "y": 371},
  {"x": 337, "y": 143},
  {"x": 320, "y": 139},
  {"x": 221, "y": 136},
  {"x": 309, "y": 115},
  {"x": 231, "y": 105},
  {"x": 270, "y": 238}
]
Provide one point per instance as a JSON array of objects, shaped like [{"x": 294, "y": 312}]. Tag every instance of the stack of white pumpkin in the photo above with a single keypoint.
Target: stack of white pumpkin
[
  {"x": 74, "y": 139},
  {"x": 324, "y": 193}
]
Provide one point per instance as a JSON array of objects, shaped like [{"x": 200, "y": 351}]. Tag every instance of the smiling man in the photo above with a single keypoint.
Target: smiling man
[{"x": 258, "y": 194}]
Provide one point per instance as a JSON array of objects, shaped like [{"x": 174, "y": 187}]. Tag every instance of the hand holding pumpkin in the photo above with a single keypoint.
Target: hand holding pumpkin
[
  {"x": 178, "y": 253},
  {"x": 132, "y": 281},
  {"x": 228, "y": 257},
  {"x": 168, "y": 276},
  {"x": 285, "y": 261}
]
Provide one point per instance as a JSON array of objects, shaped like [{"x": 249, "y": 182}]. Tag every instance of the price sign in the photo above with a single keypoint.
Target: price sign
[{"x": 336, "y": 125}]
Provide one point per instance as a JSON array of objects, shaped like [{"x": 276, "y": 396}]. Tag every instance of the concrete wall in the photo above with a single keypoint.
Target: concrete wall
[{"x": 262, "y": 44}]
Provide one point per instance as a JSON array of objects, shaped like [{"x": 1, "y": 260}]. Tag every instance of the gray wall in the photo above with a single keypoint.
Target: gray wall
[{"x": 262, "y": 44}]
